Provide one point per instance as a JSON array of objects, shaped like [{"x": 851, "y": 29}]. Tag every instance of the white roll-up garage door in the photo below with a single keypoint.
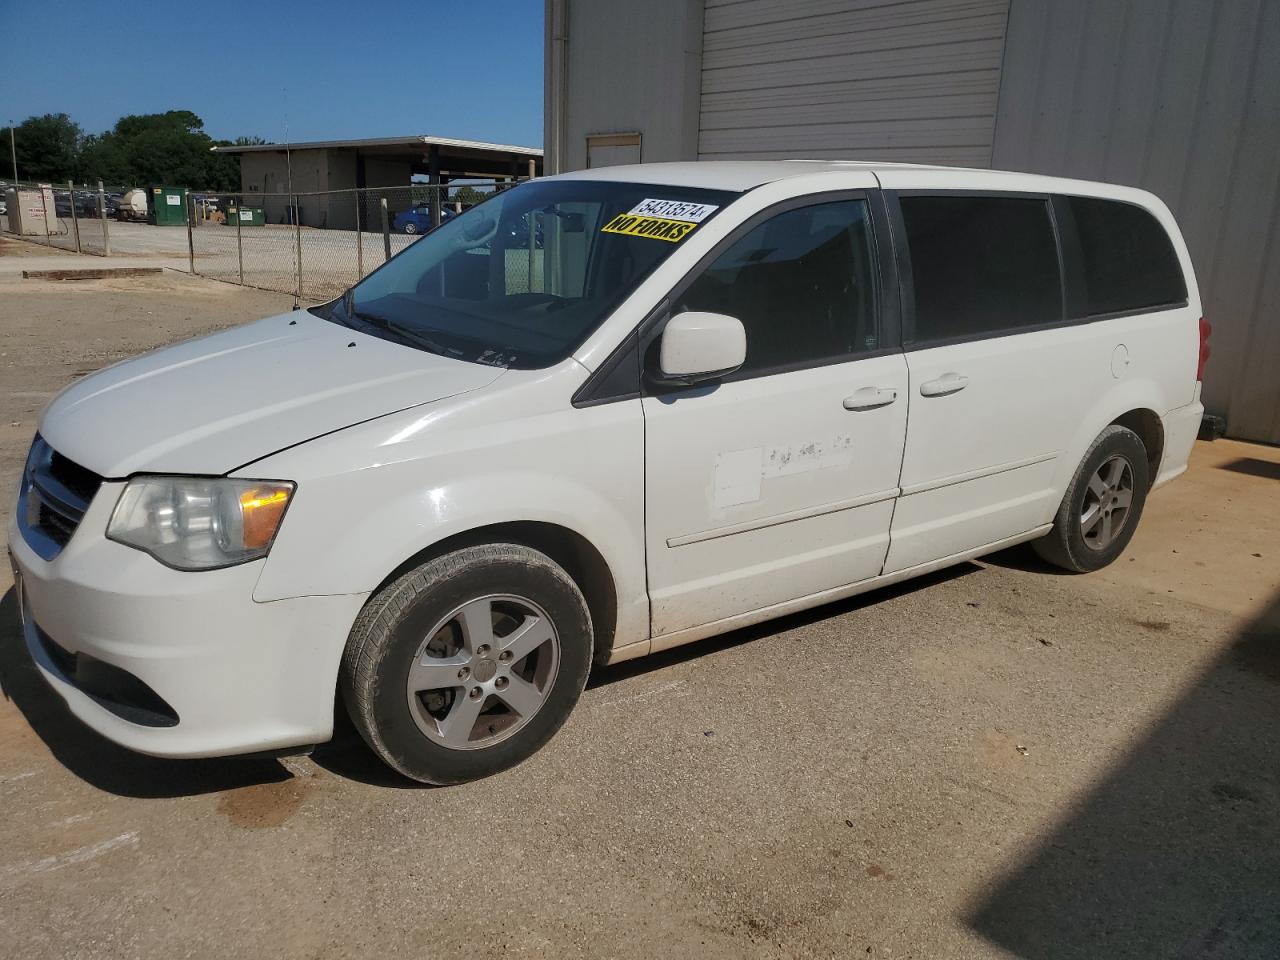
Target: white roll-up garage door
[{"x": 854, "y": 79}]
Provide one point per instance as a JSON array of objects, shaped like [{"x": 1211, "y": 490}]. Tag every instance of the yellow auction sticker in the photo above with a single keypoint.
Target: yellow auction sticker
[{"x": 655, "y": 228}]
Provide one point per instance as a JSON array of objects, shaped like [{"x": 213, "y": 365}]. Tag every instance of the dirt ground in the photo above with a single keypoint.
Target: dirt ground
[
  {"x": 994, "y": 761},
  {"x": 53, "y": 332}
]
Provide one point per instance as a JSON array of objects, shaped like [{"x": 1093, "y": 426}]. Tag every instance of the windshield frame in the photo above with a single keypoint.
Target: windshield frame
[{"x": 614, "y": 197}]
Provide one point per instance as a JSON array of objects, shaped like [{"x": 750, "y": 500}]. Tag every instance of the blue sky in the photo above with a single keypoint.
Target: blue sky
[{"x": 339, "y": 69}]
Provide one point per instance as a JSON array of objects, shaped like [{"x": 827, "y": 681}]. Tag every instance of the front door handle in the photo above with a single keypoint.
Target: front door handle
[
  {"x": 945, "y": 385},
  {"x": 869, "y": 398}
]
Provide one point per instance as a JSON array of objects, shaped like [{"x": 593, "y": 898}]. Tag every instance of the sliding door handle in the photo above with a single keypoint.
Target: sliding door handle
[
  {"x": 945, "y": 385},
  {"x": 870, "y": 398}
]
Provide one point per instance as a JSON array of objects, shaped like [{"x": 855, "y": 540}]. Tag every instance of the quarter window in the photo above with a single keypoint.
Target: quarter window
[
  {"x": 1129, "y": 261},
  {"x": 981, "y": 266},
  {"x": 802, "y": 283}
]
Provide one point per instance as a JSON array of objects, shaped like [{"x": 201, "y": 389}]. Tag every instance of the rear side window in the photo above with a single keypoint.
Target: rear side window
[
  {"x": 981, "y": 266},
  {"x": 1129, "y": 261},
  {"x": 802, "y": 283}
]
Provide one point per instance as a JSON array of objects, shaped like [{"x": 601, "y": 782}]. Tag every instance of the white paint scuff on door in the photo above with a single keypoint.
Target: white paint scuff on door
[
  {"x": 812, "y": 455},
  {"x": 739, "y": 474},
  {"x": 737, "y": 477}
]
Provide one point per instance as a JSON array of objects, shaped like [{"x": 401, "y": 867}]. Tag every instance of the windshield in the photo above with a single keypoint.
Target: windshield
[{"x": 521, "y": 279}]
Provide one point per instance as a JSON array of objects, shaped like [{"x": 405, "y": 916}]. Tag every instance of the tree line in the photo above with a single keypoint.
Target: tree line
[{"x": 154, "y": 148}]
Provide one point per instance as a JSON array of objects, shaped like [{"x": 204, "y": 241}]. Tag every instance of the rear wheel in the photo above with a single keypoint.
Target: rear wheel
[
  {"x": 1102, "y": 505},
  {"x": 468, "y": 664},
  {"x": 410, "y": 227}
]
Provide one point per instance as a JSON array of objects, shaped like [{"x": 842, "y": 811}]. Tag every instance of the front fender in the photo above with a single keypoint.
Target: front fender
[
  {"x": 319, "y": 557},
  {"x": 371, "y": 497}
]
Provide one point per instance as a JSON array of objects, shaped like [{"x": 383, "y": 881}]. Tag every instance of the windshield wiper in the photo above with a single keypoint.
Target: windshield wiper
[{"x": 410, "y": 337}]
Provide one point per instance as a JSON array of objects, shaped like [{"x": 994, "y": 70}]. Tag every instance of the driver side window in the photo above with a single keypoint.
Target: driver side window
[{"x": 803, "y": 285}]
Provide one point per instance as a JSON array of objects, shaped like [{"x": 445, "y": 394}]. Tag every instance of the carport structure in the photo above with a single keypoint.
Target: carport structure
[{"x": 274, "y": 170}]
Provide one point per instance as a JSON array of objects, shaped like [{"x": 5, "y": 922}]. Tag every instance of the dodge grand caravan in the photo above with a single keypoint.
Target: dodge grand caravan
[{"x": 596, "y": 416}]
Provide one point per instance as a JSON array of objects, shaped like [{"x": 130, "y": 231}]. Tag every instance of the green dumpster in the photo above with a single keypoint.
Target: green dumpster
[
  {"x": 169, "y": 206},
  {"x": 247, "y": 216}
]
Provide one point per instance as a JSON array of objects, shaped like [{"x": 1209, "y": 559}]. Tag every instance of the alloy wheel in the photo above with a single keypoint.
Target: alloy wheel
[
  {"x": 1106, "y": 502},
  {"x": 483, "y": 672}
]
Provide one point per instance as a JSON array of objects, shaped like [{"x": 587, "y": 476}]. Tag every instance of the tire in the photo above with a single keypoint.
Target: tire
[
  {"x": 1102, "y": 505},
  {"x": 433, "y": 620},
  {"x": 410, "y": 228}
]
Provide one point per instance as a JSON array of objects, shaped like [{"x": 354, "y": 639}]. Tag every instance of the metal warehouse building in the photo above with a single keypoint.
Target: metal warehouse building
[
  {"x": 1180, "y": 97},
  {"x": 316, "y": 169}
]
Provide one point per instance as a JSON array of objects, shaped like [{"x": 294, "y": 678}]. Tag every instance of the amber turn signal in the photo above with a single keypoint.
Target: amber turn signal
[{"x": 261, "y": 509}]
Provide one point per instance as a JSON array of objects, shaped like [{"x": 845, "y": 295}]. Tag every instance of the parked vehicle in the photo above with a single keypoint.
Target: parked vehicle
[
  {"x": 722, "y": 393},
  {"x": 87, "y": 203},
  {"x": 418, "y": 219}
]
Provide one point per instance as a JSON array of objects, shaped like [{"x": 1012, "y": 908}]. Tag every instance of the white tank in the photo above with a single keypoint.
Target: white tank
[{"x": 133, "y": 205}]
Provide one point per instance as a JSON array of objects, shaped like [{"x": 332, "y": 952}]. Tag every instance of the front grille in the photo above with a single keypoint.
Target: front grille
[
  {"x": 83, "y": 483},
  {"x": 53, "y": 498},
  {"x": 58, "y": 527}
]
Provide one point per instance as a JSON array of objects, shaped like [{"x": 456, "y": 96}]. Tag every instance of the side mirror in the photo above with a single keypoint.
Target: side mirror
[{"x": 701, "y": 346}]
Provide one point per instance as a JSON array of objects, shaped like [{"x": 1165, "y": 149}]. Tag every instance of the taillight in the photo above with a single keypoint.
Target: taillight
[{"x": 1206, "y": 328}]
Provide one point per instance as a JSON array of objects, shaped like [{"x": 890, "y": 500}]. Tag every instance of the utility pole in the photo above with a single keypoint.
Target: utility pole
[
  {"x": 13, "y": 152},
  {"x": 293, "y": 201}
]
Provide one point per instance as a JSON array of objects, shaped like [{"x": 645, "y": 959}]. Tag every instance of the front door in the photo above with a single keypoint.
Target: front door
[{"x": 780, "y": 481}]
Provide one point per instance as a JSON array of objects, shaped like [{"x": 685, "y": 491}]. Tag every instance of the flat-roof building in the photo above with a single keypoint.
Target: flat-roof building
[{"x": 316, "y": 167}]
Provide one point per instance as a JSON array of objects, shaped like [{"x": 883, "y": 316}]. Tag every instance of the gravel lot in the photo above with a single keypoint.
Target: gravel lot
[{"x": 994, "y": 761}]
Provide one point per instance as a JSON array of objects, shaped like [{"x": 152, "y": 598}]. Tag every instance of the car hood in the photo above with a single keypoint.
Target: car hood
[{"x": 210, "y": 405}]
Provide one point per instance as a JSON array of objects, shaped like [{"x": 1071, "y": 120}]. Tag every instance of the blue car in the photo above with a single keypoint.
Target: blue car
[{"x": 418, "y": 219}]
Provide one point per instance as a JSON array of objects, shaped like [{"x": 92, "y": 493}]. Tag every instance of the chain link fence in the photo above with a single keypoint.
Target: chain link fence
[
  {"x": 69, "y": 217},
  {"x": 313, "y": 245},
  {"x": 316, "y": 245}
]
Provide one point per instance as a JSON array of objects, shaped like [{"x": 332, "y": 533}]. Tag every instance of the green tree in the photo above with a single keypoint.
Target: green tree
[
  {"x": 48, "y": 147},
  {"x": 224, "y": 169},
  {"x": 469, "y": 196},
  {"x": 169, "y": 148}
]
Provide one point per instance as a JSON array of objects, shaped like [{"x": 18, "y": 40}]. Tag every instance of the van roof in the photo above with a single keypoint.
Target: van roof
[{"x": 742, "y": 175}]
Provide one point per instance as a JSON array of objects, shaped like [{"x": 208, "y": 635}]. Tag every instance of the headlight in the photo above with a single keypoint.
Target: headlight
[{"x": 198, "y": 523}]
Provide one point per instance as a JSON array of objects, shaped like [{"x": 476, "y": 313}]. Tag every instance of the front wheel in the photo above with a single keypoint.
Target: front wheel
[
  {"x": 1102, "y": 505},
  {"x": 468, "y": 664},
  {"x": 410, "y": 228}
]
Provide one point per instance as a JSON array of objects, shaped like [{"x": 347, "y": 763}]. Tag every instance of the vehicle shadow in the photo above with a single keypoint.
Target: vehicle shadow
[
  {"x": 603, "y": 676},
  {"x": 1176, "y": 852},
  {"x": 116, "y": 770},
  {"x": 1024, "y": 557},
  {"x": 98, "y": 761},
  {"x": 348, "y": 756}
]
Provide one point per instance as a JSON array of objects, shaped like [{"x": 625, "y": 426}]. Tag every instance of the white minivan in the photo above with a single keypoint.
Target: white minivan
[{"x": 596, "y": 416}]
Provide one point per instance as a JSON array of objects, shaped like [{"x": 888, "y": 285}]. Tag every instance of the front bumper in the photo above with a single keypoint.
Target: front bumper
[{"x": 237, "y": 676}]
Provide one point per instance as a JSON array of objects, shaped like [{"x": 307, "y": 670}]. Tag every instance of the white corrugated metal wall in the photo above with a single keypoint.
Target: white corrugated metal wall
[
  {"x": 1182, "y": 98},
  {"x": 618, "y": 67},
  {"x": 913, "y": 80}
]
